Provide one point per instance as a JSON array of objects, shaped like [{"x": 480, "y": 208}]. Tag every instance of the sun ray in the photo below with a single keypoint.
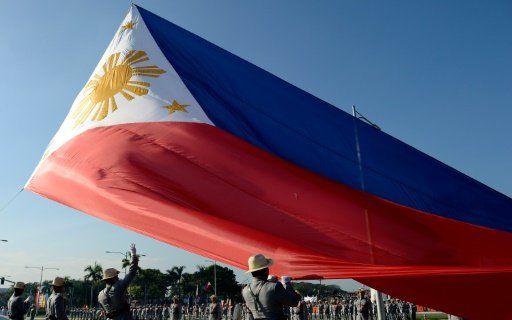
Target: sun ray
[
  {"x": 140, "y": 83},
  {"x": 113, "y": 61},
  {"x": 127, "y": 95},
  {"x": 108, "y": 65},
  {"x": 95, "y": 115},
  {"x": 86, "y": 112},
  {"x": 139, "y": 56},
  {"x": 149, "y": 71},
  {"x": 92, "y": 83},
  {"x": 103, "y": 110},
  {"x": 129, "y": 54},
  {"x": 137, "y": 90},
  {"x": 81, "y": 106},
  {"x": 113, "y": 103}
]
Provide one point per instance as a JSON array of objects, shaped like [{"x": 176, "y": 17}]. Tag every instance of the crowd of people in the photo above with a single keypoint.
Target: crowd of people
[{"x": 264, "y": 298}]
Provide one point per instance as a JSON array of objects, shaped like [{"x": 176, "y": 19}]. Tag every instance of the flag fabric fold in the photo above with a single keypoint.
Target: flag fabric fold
[{"x": 178, "y": 139}]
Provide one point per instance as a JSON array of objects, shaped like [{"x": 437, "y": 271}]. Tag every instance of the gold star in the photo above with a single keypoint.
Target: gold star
[
  {"x": 175, "y": 106},
  {"x": 129, "y": 25}
]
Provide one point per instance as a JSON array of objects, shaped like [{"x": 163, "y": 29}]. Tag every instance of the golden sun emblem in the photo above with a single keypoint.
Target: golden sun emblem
[{"x": 101, "y": 91}]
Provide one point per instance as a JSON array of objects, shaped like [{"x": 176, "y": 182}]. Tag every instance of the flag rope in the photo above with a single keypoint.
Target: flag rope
[{"x": 10, "y": 201}]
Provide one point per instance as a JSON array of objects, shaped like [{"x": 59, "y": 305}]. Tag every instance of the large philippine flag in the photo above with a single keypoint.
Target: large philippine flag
[{"x": 178, "y": 139}]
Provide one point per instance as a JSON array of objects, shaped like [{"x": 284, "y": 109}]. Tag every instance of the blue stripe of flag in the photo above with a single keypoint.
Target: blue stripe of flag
[{"x": 276, "y": 116}]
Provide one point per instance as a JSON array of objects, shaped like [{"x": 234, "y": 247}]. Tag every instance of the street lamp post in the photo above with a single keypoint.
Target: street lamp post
[
  {"x": 125, "y": 257},
  {"x": 41, "y": 279},
  {"x": 214, "y": 275},
  {"x": 125, "y": 254}
]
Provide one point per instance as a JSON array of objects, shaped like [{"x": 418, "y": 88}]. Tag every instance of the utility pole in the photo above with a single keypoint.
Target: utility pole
[{"x": 40, "y": 282}]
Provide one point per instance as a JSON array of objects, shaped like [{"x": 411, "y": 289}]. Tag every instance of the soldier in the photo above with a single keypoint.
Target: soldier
[
  {"x": 238, "y": 309},
  {"x": 16, "y": 308},
  {"x": 266, "y": 299},
  {"x": 405, "y": 310},
  {"x": 32, "y": 312},
  {"x": 214, "y": 309},
  {"x": 299, "y": 312},
  {"x": 362, "y": 306},
  {"x": 175, "y": 309},
  {"x": 165, "y": 312},
  {"x": 413, "y": 308},
  {"x": 114, "y": 298},
  {"x": 195, "y": 310},
  {"x": 56, "y": 307}
]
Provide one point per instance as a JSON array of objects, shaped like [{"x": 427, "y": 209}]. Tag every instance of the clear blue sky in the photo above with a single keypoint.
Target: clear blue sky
[{"x": 435, "y": 74}]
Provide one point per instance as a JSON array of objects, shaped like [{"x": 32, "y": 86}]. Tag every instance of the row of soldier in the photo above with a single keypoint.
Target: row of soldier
[
  {"x": 332, "y": 309},
  {"x": 344, "y": 308}
]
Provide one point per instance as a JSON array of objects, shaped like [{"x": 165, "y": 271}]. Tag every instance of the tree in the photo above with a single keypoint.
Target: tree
[
  {"x": 149, "y": 286},
  {"x": 177, "y": 278},
  {"x": 315, "y": 289},
  {"x": 227, "y": 286},
  {"x": 94, "y": 274},
  {"x": 77, "y": 291}
]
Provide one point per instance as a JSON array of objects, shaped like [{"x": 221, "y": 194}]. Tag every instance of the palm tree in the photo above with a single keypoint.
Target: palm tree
[
  {"x": 128, "y": 260},
  {"x": 94, "y": 274},
  {"x": 177, "y": 276}
]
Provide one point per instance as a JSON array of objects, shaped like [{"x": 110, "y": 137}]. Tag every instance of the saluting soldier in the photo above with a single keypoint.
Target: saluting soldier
[
  {"x": 16, "y": 308},
  {"x": 266, "y": 299},
  {"x": 114, "y": 298},
  {"x": 56, "y": 306}
]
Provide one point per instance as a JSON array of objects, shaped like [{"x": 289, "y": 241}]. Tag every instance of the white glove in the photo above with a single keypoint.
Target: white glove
[
  {"x": 133, "y": 250},
  {"x": 29, "y": 299},
  {"x": 285, "y": 280}
]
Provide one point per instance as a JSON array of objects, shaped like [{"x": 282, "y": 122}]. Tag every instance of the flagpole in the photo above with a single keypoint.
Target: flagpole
[
  {"x": 215, "y": 275},
  {"x": 378, "y": 296}
]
